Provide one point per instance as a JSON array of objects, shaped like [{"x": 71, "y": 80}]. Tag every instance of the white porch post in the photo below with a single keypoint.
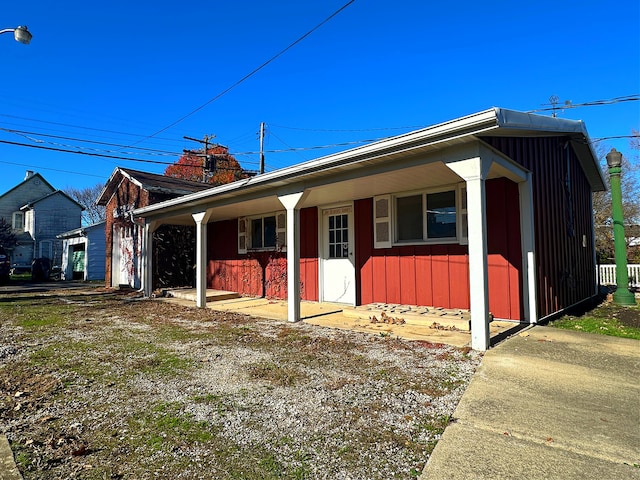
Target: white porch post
[
  {"x": 474, "y": 172},
  {"x": 147, "y": 257},
  {"x": 527, "y": 229},
  {"x": 201, "y": 220},
  {"x": 291, "y": 203}
]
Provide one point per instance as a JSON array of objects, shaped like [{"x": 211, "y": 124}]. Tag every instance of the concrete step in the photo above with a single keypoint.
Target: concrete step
[
  {"x": 433, "y": 317},
  {"x": 190, "y": 294}
]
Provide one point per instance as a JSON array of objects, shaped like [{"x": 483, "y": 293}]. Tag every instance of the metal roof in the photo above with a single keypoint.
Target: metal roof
[{"x": 390, "y": 151}]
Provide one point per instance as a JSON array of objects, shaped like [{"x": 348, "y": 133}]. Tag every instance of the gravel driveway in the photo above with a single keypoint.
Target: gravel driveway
[{"x": 115, "y": 387}]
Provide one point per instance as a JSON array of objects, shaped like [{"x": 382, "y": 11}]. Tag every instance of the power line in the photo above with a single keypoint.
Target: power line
[
  {"x": 80, "y": 126},
  {"x": 52, "y": 169},
  {"x": 250, "y": 74},
  {"x": 90, "y": 154},
  {"x": 410, "y": 127},
  {"x": 568, "y": 104},
  {"x": 99, "y": 155},
  {"x": 151, "y": 151}
]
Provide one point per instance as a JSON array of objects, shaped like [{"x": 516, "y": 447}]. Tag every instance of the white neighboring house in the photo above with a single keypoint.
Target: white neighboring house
[
  {"x": 37, "y": 213},
  {"x": 83, "y": 253}
]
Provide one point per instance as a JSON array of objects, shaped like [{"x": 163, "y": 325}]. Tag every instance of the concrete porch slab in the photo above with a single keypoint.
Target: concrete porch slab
[
  {"x": 438, "y": 318},
  {"x": 343, "y": 317},
  {"x": 190, "y": 294}
]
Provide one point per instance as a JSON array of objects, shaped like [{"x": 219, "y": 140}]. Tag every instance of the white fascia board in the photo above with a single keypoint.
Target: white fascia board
[
  {"x": 487, "y": 120},
  {"x": 78, "y": 232},
  {"x": 470, "y": 124}
]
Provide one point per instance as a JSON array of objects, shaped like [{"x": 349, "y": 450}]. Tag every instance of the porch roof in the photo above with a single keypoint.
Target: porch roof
[{"x": 375, "y": 168}]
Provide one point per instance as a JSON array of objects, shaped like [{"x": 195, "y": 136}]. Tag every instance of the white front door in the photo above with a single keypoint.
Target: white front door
[{"x": 338, "y": 274}]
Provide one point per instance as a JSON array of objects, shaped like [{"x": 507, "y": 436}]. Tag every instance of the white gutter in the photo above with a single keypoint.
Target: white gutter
[
  {"x": 491, "y": 119},
  {"x": 479, "y": 121}
]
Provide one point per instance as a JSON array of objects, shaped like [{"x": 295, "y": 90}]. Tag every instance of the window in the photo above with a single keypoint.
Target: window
[
  {"x": 265, "y": 232},
  {"x": 409, "y": 218},
  {"x": 17, "y": 221},
  {"x": 433, "y": 216},
  {"x": 441, "y": 214}
]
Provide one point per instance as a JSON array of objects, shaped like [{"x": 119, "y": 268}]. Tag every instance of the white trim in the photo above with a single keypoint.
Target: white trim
[
  {"x": 243, "y": 230},
  {"x": 291, "y": 203},
  {"x": 528, "y": 241},
  {"x": 201, "y": 220},
  {"x": 474, "y": 171},
  {"x": 147, "y": 257},
  {"x": 466, "y": 128},
  {"x": 382, "y": 219},
  {"x": 281, "y": 232},
  {"x": 14, "y": 215},
  {"x": 392, "y": 218}
]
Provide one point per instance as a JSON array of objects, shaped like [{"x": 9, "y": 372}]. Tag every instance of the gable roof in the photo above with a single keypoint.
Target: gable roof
[
  {"x": 28, "y": 179},
  {"x": 57, "y": 192},
  {"x": 491, "y": 122},
  {"x": 82, "y": 231},
  {"x": 152, "y": 182}
]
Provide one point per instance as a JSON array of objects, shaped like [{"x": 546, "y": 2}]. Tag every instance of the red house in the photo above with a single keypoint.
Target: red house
[
  {"x": 490, "y": 212},
  {"x": 125, "y": 191}
]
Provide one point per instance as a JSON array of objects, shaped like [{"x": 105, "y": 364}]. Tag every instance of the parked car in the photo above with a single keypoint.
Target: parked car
[{"x": 5, "y": 266}]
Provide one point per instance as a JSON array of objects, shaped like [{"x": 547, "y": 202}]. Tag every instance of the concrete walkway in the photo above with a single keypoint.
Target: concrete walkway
[
  {"x": 547, "y": 404},
  {"x": 8, "y": 469}
]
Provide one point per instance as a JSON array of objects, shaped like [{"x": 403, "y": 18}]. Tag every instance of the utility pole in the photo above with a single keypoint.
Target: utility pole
[
  {"x": 206, "y": 162},
  {"x": 262, "y": 148}
]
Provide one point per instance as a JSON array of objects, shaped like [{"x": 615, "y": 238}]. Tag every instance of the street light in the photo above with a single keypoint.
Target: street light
[
  {"x": 21, "y": 34},
  {"x": 622, "y": 295}
]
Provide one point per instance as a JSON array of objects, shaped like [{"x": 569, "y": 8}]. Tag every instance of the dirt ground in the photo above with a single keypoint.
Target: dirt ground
[
  {"x": 108, "y": 386},
  {"x": 629, "y": 317}
]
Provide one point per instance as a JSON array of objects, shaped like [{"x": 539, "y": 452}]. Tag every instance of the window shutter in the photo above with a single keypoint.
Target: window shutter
[
  {"x": 382, "y": 221},
  {"x": 281, "y": 231},
  {"x": 242, "y": 235}
]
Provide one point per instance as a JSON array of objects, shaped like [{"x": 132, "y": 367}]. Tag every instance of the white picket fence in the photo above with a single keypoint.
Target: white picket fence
[{"x": 608, "y": 275}]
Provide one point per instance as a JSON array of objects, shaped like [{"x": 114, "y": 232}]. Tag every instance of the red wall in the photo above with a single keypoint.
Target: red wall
[
  {"x": 438, "y": 275},
  {"x": 504, "y": 249},
  {"x": 431, "y": 275},
  {"x": 261, "y": 273}
]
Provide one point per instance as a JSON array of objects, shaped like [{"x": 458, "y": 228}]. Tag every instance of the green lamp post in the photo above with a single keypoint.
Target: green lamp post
[{"x": 622, "y": 295}]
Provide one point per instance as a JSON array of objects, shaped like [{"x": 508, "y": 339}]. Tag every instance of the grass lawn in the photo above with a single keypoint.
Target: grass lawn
[
  {"x": 111, "y": 386},
  {"x": 605, "y": 319}
]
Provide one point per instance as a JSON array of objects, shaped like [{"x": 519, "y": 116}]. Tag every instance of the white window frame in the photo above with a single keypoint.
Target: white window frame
[
  {"x": 14, "y": 216},
  {"x": 461, "y": 217},
  {"x": 245, "y": 234}
]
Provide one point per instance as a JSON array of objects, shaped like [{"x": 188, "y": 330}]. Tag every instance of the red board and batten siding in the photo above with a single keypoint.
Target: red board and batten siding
[
  {"x": 562, "y": 216},
  {"x": 431, "y": 275},
  {"x": 261, "y": 273},
  {"x": 438, "y": 275}
]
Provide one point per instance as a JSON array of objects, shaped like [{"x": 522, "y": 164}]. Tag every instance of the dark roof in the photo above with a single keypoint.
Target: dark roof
[{"x": 152, "y": 182}]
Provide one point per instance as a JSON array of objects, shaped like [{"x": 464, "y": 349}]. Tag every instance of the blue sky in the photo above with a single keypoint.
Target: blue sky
[{"x": 117, "y": 72}]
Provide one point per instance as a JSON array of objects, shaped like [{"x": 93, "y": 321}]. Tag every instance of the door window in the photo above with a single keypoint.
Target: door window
[{"x": 338, "y": 236}]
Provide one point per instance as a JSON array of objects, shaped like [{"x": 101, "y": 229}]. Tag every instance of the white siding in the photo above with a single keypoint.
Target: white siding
[{"x": 93, "y": 238}]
